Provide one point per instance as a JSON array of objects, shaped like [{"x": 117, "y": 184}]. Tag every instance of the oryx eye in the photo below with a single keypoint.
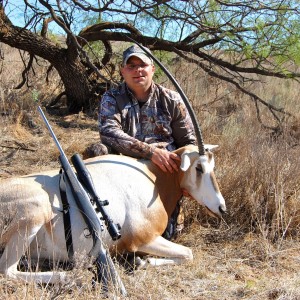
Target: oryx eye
[{"x": 199, "y": 169}]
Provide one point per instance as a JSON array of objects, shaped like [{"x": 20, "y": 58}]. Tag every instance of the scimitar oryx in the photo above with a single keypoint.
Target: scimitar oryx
[{"x": 141, "y": 199}]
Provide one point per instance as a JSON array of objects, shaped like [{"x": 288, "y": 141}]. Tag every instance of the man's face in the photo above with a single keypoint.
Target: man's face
[{"x": 137, "y": 74}]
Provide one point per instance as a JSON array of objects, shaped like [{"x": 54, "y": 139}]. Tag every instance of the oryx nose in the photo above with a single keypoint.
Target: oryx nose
[{"x": 222, "y": 209}]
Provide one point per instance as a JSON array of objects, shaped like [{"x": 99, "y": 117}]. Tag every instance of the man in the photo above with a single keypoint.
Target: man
[{"x": 142, "y": 119}]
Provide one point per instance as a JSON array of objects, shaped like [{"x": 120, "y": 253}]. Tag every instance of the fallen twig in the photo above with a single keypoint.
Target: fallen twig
[{"x": 19, "y": 147}]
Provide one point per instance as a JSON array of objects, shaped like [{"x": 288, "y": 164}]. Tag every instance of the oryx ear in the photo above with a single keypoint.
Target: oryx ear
[
  {"x": 185, "y": 161},
  {"x": 210, "y": 147}
]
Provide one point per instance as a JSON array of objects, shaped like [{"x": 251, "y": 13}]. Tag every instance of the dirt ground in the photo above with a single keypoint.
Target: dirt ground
[{"x": 227, "y": 263}]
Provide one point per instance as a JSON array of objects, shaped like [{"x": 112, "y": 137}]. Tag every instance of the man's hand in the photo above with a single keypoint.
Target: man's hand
[{"x": 165, "y": 160}]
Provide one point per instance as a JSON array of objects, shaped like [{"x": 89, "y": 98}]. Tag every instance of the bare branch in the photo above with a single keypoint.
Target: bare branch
[
  {"x": 253, "y": 96},
  {"x": 25, "y": 71}
]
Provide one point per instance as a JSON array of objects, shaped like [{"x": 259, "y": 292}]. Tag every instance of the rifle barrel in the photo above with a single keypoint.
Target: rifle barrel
[{"x": 61, "y": 151}]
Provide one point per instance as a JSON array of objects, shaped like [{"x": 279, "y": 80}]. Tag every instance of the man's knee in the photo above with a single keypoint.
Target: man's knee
[{"x": 95, "y": 149}]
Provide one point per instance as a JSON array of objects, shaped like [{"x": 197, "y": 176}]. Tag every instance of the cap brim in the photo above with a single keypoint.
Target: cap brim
[{"x": 141, "y": 56}]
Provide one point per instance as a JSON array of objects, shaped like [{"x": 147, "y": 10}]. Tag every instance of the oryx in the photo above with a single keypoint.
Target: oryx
[{"x": 141, "y": 198}]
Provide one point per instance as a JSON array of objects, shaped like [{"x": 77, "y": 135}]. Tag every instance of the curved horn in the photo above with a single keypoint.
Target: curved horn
[{"x": 198, "y": 133}]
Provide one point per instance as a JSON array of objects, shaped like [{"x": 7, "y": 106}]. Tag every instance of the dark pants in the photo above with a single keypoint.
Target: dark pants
[{"x": 171, "y": 230}]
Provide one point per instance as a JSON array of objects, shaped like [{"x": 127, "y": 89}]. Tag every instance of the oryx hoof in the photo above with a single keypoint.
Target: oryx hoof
[{"x": 140, "y": 263}]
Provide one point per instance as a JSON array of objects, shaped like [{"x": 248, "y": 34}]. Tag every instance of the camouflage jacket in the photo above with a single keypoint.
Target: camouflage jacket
[{"x": 135, "y": 129}]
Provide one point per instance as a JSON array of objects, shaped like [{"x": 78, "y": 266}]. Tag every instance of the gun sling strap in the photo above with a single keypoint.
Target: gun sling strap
[{"x": 66, "y": 214}]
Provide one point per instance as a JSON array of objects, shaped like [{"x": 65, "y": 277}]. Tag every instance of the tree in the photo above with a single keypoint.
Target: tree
[{"x": 230, "y": 40}]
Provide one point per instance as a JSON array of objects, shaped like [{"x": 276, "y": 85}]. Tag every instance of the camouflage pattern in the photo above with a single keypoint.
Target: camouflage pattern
[{"x": 135, "y": 130}]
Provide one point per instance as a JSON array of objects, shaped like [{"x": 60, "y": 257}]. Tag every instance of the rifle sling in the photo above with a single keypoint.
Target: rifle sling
[{"x": 66, "y": 214}]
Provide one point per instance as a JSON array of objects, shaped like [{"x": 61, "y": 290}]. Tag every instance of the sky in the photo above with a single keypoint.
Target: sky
[{"x": 15, "y": 9}]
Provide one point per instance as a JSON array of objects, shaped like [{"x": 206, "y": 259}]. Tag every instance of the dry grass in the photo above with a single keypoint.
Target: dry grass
[{"x": 252, "y": 254}]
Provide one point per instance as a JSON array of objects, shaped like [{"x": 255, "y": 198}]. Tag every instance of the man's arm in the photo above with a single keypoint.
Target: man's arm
[
  {"x": 182, "y": 126},
  {"x": 113, "y": 135},
  {"x": 182, "y": 132}
]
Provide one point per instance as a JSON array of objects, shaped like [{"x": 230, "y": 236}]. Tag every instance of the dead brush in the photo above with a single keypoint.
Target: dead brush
[
  {"x": 258, "y": 176},
  {"x": 261, "y": 186}
]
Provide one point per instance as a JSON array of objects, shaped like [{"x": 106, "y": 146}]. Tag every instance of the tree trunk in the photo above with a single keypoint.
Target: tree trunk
[
  {"x": 66, "y": 61},
  {"x": 77, "y": 86}
]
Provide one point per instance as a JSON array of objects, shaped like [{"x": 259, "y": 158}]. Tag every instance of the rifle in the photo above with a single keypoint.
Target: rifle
[
  {"x": 105, "y": 266},
  {"x": 87, "y": 181}
]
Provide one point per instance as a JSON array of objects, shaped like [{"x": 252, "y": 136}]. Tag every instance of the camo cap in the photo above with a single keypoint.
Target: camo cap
[{"x": 137, "y": 52}]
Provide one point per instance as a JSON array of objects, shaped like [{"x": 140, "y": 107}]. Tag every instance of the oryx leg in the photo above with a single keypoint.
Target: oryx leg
[
  {"x": 14, "y": 249},
  {"x": 24, "y": 209},
  {"x": 172, "y": 253}
]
